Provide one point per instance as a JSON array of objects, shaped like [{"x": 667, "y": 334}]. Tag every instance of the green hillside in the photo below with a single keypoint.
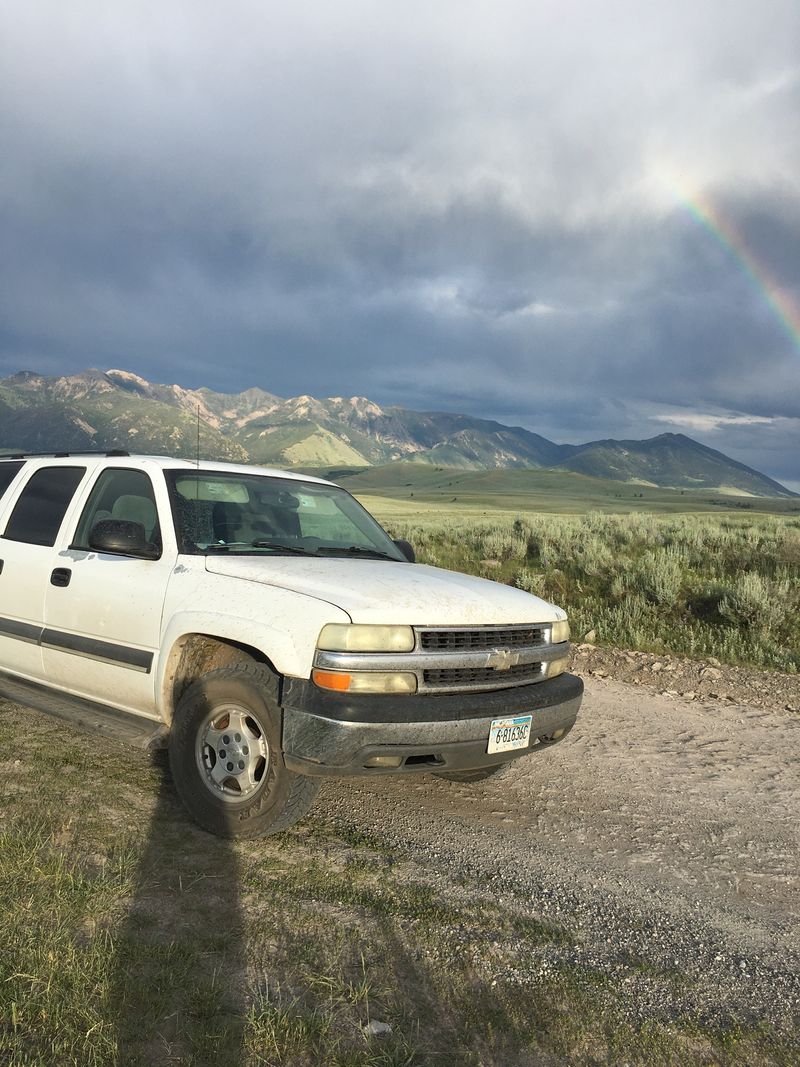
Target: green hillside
[
  {"x": 671, "y": 459},
  {"x": 406, "y": 489},
  {"x": 296, "y": 444},
  {"x": 302, "y": 442}
]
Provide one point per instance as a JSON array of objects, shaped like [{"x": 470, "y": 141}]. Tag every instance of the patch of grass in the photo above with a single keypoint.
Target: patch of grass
[
  {"x": 412, "y": 492},
  {"x": 55, "y": 944},
  {"x": 378, "y": 894}
]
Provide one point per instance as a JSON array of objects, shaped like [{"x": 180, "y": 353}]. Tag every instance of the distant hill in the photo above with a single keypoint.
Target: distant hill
[
  {"x": 403, "y": 490},
  {"x": 118, "y": 409},
  {"x": 669, "y": 460}
]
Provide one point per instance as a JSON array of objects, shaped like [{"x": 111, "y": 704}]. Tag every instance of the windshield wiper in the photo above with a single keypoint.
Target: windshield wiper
[
  {"x": 357, "y": 550},
  {"x": 292, "y": 549},
  {"x": 225, "y": 546}
]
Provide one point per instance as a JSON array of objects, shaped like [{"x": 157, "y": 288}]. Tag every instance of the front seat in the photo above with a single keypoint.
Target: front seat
[{"x": 137, "y": 509}]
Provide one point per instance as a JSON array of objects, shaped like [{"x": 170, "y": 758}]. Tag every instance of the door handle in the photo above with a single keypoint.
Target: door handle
[
  {"x": 60, "y": 576},
  {"x": 1, "y": 566}
]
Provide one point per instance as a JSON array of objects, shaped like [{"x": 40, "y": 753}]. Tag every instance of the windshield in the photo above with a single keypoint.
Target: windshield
[{"x": 225, "y": 512}]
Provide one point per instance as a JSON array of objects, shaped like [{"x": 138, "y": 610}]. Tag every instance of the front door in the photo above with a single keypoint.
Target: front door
[{"x": 103, "y": 626}]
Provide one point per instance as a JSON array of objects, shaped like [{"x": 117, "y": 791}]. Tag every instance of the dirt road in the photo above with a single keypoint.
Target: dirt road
[{"x": 661, "y": 830}]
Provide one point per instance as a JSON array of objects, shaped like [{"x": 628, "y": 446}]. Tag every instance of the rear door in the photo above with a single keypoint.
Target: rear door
[
  {"x": 103, "y": 621},
  {"x": 30, "y": 531}
]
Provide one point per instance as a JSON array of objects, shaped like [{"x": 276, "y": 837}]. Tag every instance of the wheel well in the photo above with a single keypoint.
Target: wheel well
[{"x": 197, "y": 654}]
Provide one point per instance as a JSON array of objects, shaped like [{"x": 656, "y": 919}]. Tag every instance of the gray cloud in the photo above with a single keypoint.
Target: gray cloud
[{"x": 464, "y": 208}]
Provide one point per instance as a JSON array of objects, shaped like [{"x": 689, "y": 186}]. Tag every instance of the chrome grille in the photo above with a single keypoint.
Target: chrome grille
[
  {"x": 484, "y": 639},
  {"x": 481, "y": 677}
]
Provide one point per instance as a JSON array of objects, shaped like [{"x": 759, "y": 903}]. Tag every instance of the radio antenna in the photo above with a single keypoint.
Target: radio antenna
[{"x": 198, "y": 437}]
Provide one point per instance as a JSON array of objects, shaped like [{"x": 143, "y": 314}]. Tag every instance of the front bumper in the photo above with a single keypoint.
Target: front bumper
[{"x": 336, "y": 734}]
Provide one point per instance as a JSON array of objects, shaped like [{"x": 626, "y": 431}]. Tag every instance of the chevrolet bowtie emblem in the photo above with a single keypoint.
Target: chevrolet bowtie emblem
[{"x": 502, "y": 659}]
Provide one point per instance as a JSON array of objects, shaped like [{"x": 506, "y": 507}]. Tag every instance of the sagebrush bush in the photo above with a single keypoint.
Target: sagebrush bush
[
  {"x": 504, "y": 544},
  {"x": 531, "y": 582},
  {"x": 660, "y": 575},
  {"x": 755, "y": 601}
]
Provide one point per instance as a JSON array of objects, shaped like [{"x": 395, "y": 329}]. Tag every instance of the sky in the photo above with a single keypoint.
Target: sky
[{"x": 578, "y": 217}]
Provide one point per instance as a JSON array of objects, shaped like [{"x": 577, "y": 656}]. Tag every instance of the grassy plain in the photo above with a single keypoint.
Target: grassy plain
[{"x": 406, "y": 489}]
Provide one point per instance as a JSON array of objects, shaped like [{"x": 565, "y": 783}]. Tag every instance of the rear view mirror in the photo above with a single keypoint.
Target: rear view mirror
[
  {"x": 122, "y": 537},
  {"x": 407, "y": 549}
]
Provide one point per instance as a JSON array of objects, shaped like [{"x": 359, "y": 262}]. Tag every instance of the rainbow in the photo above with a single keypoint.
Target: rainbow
[{"x": 778, "y": 300}]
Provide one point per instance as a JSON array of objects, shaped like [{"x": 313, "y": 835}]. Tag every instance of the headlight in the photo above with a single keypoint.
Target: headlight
[
  {"x": 559, "y": 632},
  {"x": 344, "y": 637},
  {"x": 366, "y": 681}
]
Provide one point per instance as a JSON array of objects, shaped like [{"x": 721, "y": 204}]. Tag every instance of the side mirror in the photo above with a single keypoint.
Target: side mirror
[
  {"x": 122, "y": 538},
  {"x": 407, "y": 549}
]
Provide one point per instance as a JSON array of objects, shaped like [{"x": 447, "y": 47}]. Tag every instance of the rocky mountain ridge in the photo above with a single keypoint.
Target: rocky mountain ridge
[{"x": 117, "y": 408}]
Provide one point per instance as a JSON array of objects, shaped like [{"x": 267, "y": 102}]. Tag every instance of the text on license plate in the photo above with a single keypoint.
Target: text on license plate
[{"x": 505, "y": 734}]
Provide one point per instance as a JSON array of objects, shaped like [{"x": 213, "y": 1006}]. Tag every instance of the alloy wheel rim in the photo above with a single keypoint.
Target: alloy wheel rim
[{"x": 232, "y": 753}]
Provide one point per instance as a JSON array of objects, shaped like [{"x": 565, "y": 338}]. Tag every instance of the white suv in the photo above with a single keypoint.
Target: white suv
[{"x": 265, "y": 627}]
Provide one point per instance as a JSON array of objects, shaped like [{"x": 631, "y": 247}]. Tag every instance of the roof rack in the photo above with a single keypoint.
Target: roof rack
[{"x": 64, "y": 455}]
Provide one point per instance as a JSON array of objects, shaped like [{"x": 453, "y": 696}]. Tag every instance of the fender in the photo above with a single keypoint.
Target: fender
[{"x": 287, "y": 637}]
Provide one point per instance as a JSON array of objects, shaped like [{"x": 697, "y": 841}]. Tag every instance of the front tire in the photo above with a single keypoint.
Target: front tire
[{"x": 226, "y": 759}]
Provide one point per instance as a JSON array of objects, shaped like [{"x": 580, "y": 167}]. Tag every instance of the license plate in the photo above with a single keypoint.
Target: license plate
[{"x": 505, "y": 734}]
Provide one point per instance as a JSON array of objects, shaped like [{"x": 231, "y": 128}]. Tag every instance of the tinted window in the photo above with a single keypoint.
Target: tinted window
[
  {"x": 7, "y": 474},
  {"x": 42, "y": 505},
  {"x": 120, "y": 494}
]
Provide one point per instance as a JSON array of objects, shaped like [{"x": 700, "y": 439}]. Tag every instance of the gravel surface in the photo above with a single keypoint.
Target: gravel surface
[{"x": 663, "y": 833}]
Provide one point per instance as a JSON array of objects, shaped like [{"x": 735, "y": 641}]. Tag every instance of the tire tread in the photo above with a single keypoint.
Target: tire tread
[{"x": 299, "y": 791}]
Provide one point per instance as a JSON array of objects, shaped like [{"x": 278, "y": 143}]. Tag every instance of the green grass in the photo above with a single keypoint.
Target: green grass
[
  {"x": 128, "y": 936},
  {"x": 411, "y": 489}
]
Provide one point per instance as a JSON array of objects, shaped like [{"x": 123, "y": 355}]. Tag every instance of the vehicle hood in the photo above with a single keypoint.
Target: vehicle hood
[{"x": 378, "y": 591}]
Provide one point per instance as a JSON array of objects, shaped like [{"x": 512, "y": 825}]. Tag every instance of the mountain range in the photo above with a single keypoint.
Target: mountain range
[{"x": 118, "y": 409}]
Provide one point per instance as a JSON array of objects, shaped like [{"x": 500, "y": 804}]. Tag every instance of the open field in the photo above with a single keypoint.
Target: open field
[
  {"x": 409, "y": 487},
  {"x": 555, "y": 916},
  {"x": 692, "y": 573}
]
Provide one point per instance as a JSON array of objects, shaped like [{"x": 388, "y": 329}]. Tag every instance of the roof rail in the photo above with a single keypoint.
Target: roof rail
[{"x": 64, "y": 455}]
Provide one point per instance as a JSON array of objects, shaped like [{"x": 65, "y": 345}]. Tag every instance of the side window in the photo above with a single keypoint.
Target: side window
[
  {"x": 8, "y": 471},
  {"x": 120, "y": 494},
  {"x": 42, "y": 504}
]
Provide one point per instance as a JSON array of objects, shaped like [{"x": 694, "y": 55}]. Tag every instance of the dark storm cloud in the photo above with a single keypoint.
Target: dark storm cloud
[{"x": 461, "y": 208}]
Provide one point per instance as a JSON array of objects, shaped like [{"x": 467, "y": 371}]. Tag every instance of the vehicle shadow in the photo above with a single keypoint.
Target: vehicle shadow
[{"x": 177, "y": 994}]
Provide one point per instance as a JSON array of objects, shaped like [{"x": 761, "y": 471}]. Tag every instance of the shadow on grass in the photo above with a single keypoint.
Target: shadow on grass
[
  {"x": 366, "y": 948},
  {"x": 292, "y": 952},
  {"x": 327, "y": 960},
  {"x": 177, "y": 994}
]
